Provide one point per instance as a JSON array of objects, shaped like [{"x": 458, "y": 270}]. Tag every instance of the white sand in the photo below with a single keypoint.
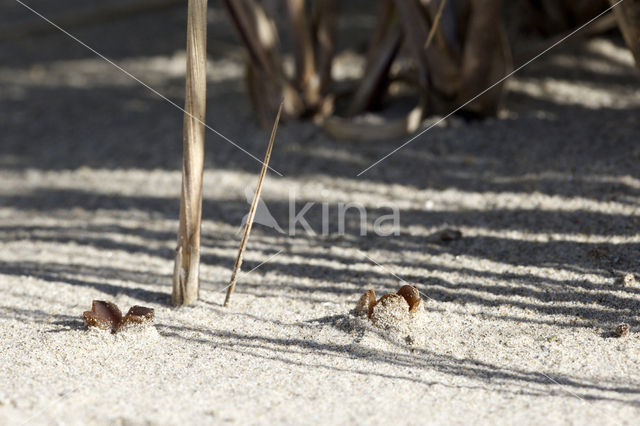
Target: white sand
[{"x": 518, "y": 311}]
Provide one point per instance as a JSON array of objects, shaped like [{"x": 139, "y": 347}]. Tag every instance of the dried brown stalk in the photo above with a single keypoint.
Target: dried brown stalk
[
  {"x": 383, "y": 47},
  {"x": 266, "y": 82},
  {"x": 325, "y": 22},
  {"x": 628, "y": 15},
  {"x": 485, "y": 58},
  {"x": 436, "y": 68},
  {"x": 303, "y": 50},
  {"x": 242, "y": 14},
  {"x": 458, "y": 50},
  {"x": 416, "y": 29},
  {"x": 344, "y": 128},
  {"x": 376, "y": 71},
  {"x": 186, "y": 281},
  {"x": 435, "y": 24},
  {"x": 385, "y": 17},
  {"x": 252, "y": 210}
]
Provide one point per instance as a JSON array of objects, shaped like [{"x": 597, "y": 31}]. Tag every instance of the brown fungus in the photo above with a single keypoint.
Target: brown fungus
[
  {"x": 107, "y": 316},
  {"x": 366, "y": 303},
  {"x": 138, "y": 315},
  {"x": 391, "y": 310},
  {"x": 104, "y": 315},
  {"x": 412, "y": 296}
]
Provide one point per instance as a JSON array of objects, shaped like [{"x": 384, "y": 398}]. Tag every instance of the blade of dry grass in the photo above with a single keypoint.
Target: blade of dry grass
[
  {"x": 252, "y": 210},
  {"x": 435, "y": 24}
]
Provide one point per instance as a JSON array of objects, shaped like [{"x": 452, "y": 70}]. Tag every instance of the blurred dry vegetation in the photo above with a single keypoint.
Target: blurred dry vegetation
[
  {"x": 440, "y": 54},
  {"x": 420, "y": 58}
]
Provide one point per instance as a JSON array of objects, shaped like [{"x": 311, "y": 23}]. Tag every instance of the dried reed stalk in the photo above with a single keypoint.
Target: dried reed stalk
[
  {"x": 416, "y": 29},
  {"x": 486, "y": 58},
  {"x": 186, "y": 281},
  {"x": 628, "y": 15},
  {"x": 252, "y": 210},
  {"x": 435, "y": 24},
  {"x": 375, "y": 77},
  {"x": 325, "y": 25},
  {"x": 306, "y": 79},
  {"x": 437, "y": 69},
  {"x": 266, "y": 82}
]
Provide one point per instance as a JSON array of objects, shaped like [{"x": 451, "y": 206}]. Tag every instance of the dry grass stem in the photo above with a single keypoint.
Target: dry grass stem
[
  {"x": 252, "y": 210},
  {"x": 186, "y": 280},
  {"x": 435, "y": 24}
]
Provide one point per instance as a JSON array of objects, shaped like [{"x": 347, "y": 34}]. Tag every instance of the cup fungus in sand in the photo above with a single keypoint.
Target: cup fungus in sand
[
  {"x": 412, "y": 296},
  {"x": 366, "y": 303},
  {"x": 391, "y": 309},
  {"x": 107, "y": 316}
]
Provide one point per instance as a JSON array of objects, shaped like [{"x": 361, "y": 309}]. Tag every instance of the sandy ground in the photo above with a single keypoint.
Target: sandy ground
[{"x": 518, "y": 312}]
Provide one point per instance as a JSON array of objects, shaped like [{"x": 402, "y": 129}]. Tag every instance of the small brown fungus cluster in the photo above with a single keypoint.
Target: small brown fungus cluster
[
  {"x": 392, "y": 308},
  {"x": 107, "y": 316}
]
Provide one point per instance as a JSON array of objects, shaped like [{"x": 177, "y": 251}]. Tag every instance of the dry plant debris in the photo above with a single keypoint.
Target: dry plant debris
[
  {"x": 457, "y": 50},
  {"x": 599, "y": 253},
  {"x": 629, "y": 280},
  {"x": 621, "y": 330},
  {"x": 252, "y": 210},
  {"x": 392, "y": 308},
  {"x": 107, "y": 316},
  {"x": 450, "y": 235}
]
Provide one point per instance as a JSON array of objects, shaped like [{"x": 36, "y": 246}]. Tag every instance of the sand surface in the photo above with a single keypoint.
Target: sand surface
[{"x": 517, "y": 313}]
